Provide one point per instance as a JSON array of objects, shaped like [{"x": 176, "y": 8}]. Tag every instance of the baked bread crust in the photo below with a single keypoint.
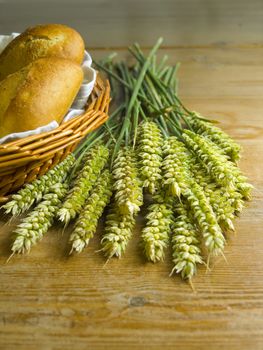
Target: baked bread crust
[
  {"x": 50, "y": 40},
  {"x": 41, "y": 92}
]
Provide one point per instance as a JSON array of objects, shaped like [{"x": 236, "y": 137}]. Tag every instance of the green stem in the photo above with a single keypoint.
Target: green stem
[
  {"x": 135, "y": 123},
  {"x": 135, "y": 94}
]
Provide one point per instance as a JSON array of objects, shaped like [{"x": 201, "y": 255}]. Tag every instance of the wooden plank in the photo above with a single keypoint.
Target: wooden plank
[
  {"x": 106, "y": 23},
  {"x": 51, "y": 301}
]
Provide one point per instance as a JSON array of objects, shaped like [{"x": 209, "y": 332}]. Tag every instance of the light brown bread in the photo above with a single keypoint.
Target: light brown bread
[
  {"x": 37, "y": 94},
  {"x": 50, "y": 40}
]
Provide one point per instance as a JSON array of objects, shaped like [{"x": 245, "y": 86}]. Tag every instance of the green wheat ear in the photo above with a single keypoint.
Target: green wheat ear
[
  {"x": 95, "y": 161},
  {"x": 87, "y": 221},
  {"x": 150, "y": 155},
  {"x": 175, "y": 172},
  {"x": 185, "y": 243},
  {"x": 36, "y": 224},
  {"x": 118, "y": 232},
  {"x": 33, "y": 193},
  {"x": 215, "y": 134},
  {"x": 155, "y": 234},
  {"x": 224, "y": 172},
  {"x": 214, "y": 161},
  {"x": 127, "y": 186},
  {"x": 218, "y": 196}
]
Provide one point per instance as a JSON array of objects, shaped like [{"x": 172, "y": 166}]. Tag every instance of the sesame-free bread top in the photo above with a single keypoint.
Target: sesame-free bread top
[
  {"x": 35, "y": 95},
  {"x": 47, "y": 40}
]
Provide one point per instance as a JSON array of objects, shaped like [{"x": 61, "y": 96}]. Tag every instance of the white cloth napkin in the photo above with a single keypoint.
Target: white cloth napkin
[{"x": 78, "y": 104}]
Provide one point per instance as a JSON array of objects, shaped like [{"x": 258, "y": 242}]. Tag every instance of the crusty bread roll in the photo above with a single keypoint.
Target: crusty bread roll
[
  {"x": 41, "y": 41},
  {"x": 37, "y": 94}
]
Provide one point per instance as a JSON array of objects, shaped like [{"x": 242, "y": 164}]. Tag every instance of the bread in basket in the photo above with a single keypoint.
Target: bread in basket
[
  {"x": 23, "y": 160},
  {"x": 41, "y": 71}
]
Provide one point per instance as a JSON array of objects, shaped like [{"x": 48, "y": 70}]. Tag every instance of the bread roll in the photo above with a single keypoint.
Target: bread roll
[
  {"x": 37, "y": 94},
  {"x": 41, "y": 41}
]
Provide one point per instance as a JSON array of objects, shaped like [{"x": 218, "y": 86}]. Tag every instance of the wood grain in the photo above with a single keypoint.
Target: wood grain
[
  {"x": 51, "y": 301},
  {"x": 118, "y": 23}
]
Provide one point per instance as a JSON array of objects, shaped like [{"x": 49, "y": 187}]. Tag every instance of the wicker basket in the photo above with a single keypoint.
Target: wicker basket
[{"x": 23, "y": 160}]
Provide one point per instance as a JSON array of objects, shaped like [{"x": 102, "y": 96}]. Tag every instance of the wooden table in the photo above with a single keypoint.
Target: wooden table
[{"x": 50, "y": 301}]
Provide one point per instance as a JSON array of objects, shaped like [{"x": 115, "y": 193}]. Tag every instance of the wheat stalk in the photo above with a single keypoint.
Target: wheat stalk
[
  {"x": 175, "y": 173},
  {"x": 185, "y": 243},
  {"x": 156, "y": 232},
  {"x": 118, "y": 232},
  {"x": 95, "y": 161},
  {"x": 33, "y": 192},
  {"x": 36, "y": 224},
  {"x": 87, "y": 221},
  {"x": 215, "y": 134},
  {"x": 150, "y": 155},
  {"x": 127, "y": 186}
]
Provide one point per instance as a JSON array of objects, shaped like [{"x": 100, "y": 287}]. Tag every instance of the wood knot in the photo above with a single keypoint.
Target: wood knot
[{"x": 137, "y": 301}]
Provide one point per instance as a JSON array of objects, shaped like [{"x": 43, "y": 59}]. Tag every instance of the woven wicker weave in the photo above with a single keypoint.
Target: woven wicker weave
[{"x": 23, "y": 160}]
